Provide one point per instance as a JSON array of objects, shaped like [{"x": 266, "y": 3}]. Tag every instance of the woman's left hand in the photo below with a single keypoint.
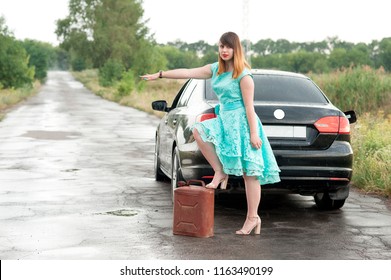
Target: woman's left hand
[
  {"x": 150, "y": 77},
  {"x": 256, "y": 141}
]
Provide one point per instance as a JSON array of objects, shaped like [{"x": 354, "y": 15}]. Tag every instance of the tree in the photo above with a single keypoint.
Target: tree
[
  {"x": 180, "y": 59},
  {"x": 355, "y": 55},
  {"x": 385, "y": 53},
  {"x": 210, "y": 57},
  {"x": 305, "y": 62},
  {"x": 14, "y": 68},
  {"x": 319, "y": 47},
  {"x": 284, "y": 46},
  {"x": 4, "y": 28},
  {"x": 99, "y": 30},
  {"x": 263, "y": 47},
  {"x": 62, "y": 59},
  {"x": 75, "y": 32},
  {"x": 41, "y": 57}
]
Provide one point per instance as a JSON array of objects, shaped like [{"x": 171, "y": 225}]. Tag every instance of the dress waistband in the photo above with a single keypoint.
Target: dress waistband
[{"x": 231, "y": 105}]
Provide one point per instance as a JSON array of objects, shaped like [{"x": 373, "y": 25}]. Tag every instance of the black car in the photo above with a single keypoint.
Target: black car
[{"x": 309, "y": 136}]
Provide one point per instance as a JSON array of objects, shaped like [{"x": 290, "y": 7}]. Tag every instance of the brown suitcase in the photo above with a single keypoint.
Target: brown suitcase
[{"x": 194, "y": 210}]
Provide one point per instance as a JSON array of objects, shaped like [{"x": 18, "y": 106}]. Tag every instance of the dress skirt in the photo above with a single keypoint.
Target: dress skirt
[{"x": 230, "y": 134}]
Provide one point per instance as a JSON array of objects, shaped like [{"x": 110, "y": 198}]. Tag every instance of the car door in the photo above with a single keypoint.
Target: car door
[
  {"x": 175, "y": 118},
  {"x": 166, "y": 136}
]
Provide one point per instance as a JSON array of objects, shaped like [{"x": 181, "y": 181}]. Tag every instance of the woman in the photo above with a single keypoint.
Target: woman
[{"x": 234, "y": 142}]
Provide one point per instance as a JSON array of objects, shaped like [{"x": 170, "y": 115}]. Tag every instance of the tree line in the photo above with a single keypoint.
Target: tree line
[
  {"x": 23, "y": 62},
  {"x": 317, "y": 57},
  {"x": 110, "y": 35}
]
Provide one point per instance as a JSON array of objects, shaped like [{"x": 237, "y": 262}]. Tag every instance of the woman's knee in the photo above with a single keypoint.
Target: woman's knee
[
  {"x": 196, "y": 135},
  {"x": 249, "y": 178}
]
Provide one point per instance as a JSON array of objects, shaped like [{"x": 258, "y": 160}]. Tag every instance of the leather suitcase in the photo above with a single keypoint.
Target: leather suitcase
[{"x": 194, "y": 209}]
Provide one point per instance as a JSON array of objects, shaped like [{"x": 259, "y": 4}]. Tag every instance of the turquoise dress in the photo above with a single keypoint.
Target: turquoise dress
[{"x": 230, "y": 133}]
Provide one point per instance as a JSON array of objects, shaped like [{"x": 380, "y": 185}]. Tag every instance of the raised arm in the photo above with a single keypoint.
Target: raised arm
[{"x": 204, "y": 72}]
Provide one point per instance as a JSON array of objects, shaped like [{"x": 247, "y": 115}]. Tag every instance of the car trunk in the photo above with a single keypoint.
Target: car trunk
[{"x": 293, "y": 126}]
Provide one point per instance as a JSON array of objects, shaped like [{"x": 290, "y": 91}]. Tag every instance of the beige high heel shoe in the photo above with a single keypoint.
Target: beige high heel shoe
[
  {"x": 223, "y": 184},
  {"x": 256, "y": 227}
]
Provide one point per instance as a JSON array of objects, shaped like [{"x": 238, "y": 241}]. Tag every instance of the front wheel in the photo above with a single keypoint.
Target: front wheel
[
  {"x": 176, "y": 174},
  {"x": 324, "y": 202}
]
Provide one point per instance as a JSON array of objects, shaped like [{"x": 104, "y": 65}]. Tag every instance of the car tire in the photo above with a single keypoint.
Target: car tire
[
  {"x": 324, "y": 202},
  {"x": 176, "y": 174},
  {"x": 159, "y": 175}
]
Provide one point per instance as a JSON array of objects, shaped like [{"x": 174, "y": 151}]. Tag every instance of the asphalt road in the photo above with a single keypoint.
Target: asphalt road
[{"x": 76, "y": 182}]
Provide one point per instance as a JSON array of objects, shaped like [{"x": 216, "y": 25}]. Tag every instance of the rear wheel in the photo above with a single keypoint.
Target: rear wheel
[
  {"x": 176, "y": 174},
  {"x": 324, "y": 202}
]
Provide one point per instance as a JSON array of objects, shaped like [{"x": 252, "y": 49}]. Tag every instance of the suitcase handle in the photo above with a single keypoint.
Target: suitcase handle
[{"x": 193, "y": 181}]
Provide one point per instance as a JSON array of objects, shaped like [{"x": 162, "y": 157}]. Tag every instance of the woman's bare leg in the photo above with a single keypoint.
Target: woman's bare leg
[
  {"x": 253, "y": 196},
  {"x": 209, "y": 152}
]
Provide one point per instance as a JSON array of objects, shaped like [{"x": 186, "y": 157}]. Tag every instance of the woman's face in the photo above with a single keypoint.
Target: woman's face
[{"x": 226, "y": 53}]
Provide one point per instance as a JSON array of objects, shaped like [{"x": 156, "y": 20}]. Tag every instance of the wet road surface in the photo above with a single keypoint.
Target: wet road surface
[{"x": 76, "y": 182}]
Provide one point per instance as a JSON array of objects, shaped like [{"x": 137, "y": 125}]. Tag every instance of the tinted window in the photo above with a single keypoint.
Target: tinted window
[
  {"x": 274, "y": 88},
  {"x": 179, "y": 94},
  {"x": 187, "y": 93}
]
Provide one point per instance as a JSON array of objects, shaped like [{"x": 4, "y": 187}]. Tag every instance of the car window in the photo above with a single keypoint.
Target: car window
[
  {"x": 178, "y": 96},
  {"x": 198, "y": 92},
  {"x": 187, "y": 93},
  {"x": 210, "y": 94},
  {"x": 279, "y": 88},
  {"x": 274, "y": 88}
]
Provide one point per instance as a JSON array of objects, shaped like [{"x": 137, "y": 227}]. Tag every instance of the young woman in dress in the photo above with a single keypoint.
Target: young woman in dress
[{"x": 234, "y": 143}]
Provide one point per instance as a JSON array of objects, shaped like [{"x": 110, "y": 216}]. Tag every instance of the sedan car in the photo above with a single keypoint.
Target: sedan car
[{"x": 310, "y": 137}]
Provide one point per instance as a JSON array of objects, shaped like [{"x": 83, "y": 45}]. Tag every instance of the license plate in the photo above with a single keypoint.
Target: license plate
[{"x": 286, "y": 131}]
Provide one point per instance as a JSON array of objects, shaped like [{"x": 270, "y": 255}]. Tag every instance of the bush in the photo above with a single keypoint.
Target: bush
[
  {"x": 14, "y": 69},
  {"x": 78, "y": 64},
  {"x": 362, "y": 89},
  {"x": 371, "y": 141},
  {"x": 127, "y": 84},
  {"x": 110, "y": 73}
]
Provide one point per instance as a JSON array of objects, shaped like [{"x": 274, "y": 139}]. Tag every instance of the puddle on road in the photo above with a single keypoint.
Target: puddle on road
[
  {"x": 52, "y": 135},
  {"x": 121, "y": 212}
]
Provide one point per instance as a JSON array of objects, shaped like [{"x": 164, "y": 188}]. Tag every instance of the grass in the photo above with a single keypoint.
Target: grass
[
  {"x": 368, "y": 92},
  {"x": 11, "y": 97},
  {"x": 162, "y": 89},
  {"x": 362, "y": 89},
  {"x": 371, "y": 141}
]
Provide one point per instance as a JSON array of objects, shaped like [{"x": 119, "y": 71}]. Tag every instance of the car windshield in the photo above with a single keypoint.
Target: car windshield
[{"x": 279, "y": 88}]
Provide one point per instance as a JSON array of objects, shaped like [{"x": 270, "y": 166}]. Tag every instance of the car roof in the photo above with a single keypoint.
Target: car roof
[{"x": 276, "y": 73}]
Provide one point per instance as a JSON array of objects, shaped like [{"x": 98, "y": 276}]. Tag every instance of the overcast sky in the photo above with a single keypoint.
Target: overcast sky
[{"x": 191, "y": 21}]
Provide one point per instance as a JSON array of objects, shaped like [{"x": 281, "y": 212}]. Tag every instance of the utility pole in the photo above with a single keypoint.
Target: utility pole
[{"x": 245, "y": 23}]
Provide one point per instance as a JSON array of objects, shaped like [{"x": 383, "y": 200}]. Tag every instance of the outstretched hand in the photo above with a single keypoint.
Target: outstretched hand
[{"x": 150, "y": 77}]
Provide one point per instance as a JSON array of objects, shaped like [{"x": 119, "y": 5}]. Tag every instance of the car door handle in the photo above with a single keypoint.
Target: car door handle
[
  {"x": 165, "y": 121},
  {"x": 174, "y": 122}
]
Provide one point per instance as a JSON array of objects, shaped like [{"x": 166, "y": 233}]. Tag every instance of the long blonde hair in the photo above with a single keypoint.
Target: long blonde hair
[{"x": 232, "y": 40}]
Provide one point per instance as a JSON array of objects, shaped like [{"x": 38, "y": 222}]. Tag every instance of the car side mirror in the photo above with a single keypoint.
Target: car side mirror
[
  {"x": 351, "y": 115},
  {"x": 160, "y": 105}
]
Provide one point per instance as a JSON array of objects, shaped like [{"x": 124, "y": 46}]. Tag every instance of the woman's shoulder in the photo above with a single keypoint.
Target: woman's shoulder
[
  {"x": 246, "y": 71},
  {"x": 214, "y": 66}
]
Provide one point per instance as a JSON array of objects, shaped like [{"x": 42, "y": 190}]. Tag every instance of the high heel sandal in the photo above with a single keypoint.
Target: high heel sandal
[
  {"x": 256, "y": 227},
  {"x": 223, "y": 184}
]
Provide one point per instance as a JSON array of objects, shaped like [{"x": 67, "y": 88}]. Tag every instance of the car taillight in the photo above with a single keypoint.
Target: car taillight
[
  {"x": 333, "y": 124},
  {"x": 205, "y": 117},
  {"x": 344, "y": 125}
]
